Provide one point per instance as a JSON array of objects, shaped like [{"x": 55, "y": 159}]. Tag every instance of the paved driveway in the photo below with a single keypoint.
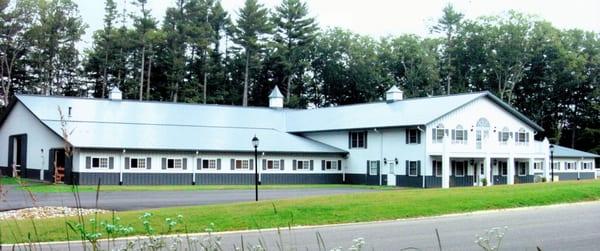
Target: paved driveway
[{"x": 16, "y": 198}]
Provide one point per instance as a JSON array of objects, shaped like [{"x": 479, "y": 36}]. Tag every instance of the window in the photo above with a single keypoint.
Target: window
[
  {"x": 373, "y": 167},
  {"x": 459, "y": 168},
  {"x": 537, "y": 165},
  {"x": 272, "y": 164},
  {"x": 358, "y": 139},
  {"x": 437, "y": 134},
  {"x": 241, "y": 164},
  {"x": 437, "y": 167},
  {"x": 173, "y": 163},
  {"x": 522, "y": 137},
  {"x": 209, "y": 164},
  {"x": 413, "y": 136},
  {"x": 503, "y": 167},
  {"x": 331, "y": 165},
  {"x": 137, "y": 163},
  {"x": 570, "y": 166},
  {"x": 413, "y": 168},
  {"x": 303, "y": 165},
  {"x": 522, "y": 168},
  {"x": 556, "y": 165},
  {"x": 459, "y": 135},
  {"x": 586, "y": 165},
  {"x": 503, "y": 135},
  {"x": 99, "y": 162}
]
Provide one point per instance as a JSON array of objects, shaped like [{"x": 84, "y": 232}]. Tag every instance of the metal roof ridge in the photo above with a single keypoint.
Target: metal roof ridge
[{"x": 157, "y": 124}]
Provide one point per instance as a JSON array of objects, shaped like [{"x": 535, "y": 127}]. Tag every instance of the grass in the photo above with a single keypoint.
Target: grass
[
  {"x": 8, "y": 181},
  {"x": 38, "y": 187},
  {"x": 358, "y": 207}
]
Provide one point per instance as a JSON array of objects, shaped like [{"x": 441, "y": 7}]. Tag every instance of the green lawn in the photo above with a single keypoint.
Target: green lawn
[
  {"x": 383, "y": 205},
  {"x": 38, "y": 187},
  {"x": 8, "y": 181}
]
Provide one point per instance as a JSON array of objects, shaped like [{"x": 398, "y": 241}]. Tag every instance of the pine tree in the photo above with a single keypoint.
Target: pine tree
[{"x": 449, "y": 24}]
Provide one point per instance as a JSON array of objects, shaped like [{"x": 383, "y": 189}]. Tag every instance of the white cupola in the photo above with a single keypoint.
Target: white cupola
[
  {"x": 394, "y": 94},
  {"x": 115, "y": 94},
  {"x": 276, "y": 98}
]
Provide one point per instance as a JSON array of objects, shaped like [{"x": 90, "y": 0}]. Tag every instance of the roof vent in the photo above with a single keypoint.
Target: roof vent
[
  {"x": 115, "y": 94},
  {"x": 276, "y": 98},
  {"x": 394, "y": 94}
]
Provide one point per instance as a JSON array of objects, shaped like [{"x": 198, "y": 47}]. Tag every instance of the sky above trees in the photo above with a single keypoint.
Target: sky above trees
[{"x": 385, "y": 17}]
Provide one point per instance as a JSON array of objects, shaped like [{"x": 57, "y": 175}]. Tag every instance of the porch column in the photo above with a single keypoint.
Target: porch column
[
  {"x": 547, "y": 164},
  {"x": 510, "y": 170},
  {"x": 487, "y": 170},
  {"x": 445, "y": 171},
  {"x": 531, "y": 164}
]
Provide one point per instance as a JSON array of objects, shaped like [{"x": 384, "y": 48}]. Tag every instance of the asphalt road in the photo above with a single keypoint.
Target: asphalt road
[
  {"x": 559, "y": 227},
  {"x": 16, "y": 198}
]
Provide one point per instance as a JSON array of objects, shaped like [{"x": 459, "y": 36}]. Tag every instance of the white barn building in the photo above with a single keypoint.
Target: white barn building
[{"x": 458, "y": 140}]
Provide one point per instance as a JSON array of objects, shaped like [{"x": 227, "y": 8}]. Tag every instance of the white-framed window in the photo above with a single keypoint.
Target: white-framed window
[
  {"x": 358, "y": 139},
  {"x": 242, "y": 164},
  {"x": 209, "y": 164},
  {"x": 503, "y": 168},
  {"x": 460, "y": 168},
  {"x": 586, "y": 166},
  {"x": 137, "y": 163},
  {"x": 331, "y": 165},
  {"x": 522, "y": 136},
  {"x": 459, "y": 135},
  {"x": 570, "y": 165},
  {"x": 522, "y": 168},
  {"x": 373, "y": 167},
  {"x": 174, "y": 163},
  {"x": 538, "y": 165},
  {"x": 437, "y": 167},
  {"x": 272, "y": 164},
  {"x": 437, "y": 133},
  {"x": 303, "y": 165},
  {"x": 413, "y": 169},
  {"x": 412, "y": 136},
  {"x": 99, "y": 162},
  {"x": 556, "y": 165},
  {"x": 504, "y": 135}
]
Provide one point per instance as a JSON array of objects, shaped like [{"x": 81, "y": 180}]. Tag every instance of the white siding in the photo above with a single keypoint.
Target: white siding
[{"x": 39, "y": 137}]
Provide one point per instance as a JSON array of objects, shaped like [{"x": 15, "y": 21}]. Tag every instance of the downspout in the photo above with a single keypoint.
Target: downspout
[
  {"x": 424, "y": 162},
  {"x": 380, "y": 152},
  {"x": 194, "y": 169},
  {"x": 121, "y": 168}
]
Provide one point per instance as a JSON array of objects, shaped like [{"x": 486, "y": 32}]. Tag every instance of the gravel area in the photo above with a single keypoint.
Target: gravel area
[{"x": 46, "y": 212}]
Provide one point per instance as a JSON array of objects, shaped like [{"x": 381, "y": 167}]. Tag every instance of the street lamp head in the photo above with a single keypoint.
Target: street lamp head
[
  {"x": 551, "y": 148},
  {"x": 255, "y": 142}
]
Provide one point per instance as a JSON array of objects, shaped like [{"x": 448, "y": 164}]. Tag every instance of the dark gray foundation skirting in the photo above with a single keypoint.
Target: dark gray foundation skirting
[
  {"x": 355, "y": 178},
  {"x": 432, "y": 181},
  {"x": 409, "y": 181},
  {"x": 461, "y": 181},
  {"x": 499, "y": 180},
  {"x": 48, "y": 176},
  {"x": 5, "y": 171},
  {"x": 33, "y": 174},
  {"x": 157, "y": 179},
  {"x": 291, "y": 178},
  {"x": 573, "y": 176},
  {"x": 93, "y": 178},
  {"x": 524, "y": 179}
]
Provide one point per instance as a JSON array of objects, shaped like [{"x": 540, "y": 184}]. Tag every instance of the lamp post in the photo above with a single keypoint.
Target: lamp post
[
  {"x": 255, "y": 144},
  {"x": 552, "y": 161}
]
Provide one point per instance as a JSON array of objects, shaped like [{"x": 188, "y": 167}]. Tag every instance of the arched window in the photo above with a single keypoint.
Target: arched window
[
  {"x": 522, "y": 136},
  {"x": 437, "y": 133},
  {"x": 483, "y": 123},
  {"x": 459, "y": 135}
]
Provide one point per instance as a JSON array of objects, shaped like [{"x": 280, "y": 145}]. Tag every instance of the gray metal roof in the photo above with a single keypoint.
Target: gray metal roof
[
  {"x": 107, "y": 123},
  {"x": 561, "y": 151}
]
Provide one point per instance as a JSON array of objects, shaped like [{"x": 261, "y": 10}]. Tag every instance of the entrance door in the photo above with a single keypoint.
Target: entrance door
[
  {"x": 17, "y": 155},
  {"x": 373, "y": 172},
  {"x": 59, "y": 166}
]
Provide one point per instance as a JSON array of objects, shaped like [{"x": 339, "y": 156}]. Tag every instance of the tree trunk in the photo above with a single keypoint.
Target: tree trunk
[
  {"x": 245, "y": 98},
  {"x": 148, "y": 82},
  {"x": 142, "y": 72},
  {"x": 105, "y": 82},
  {"x": 204, "y": 88},
  {"x": 289, "y": 87}
]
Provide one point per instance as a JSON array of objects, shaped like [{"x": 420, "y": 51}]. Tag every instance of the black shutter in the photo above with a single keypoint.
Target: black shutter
[
  {"x": 466, "y": 167},
  {"x": 264, "y": 164},
  {"x": 323, "y": 165},
  {"x": 184, "y": 164},
  {"x": 164, "y": 163},
  {"x": 366, "y": 133},
  {"x": 294, "y": 163},
  {"x": 148, "y": 163},
  {"x": 407, "y": 167},
  {"x": 281, "y": 163},
  {"x": 368, "y": 166},
  {"x": 111, "y": 162},
  {"x": 378, "y": 167},
  {"x": 349, "y": 140},
  {"x": 312, "y": 164},
  {"x": 419, "y": 168},
  {"x": 433, "y": 133},
  {"x": 466, "y": 135},
  {"x": 453, "y": 134},
  {"x": 232, "y": 164},
  {"x": 218, "y": 164},
  {"x": 198, "y": 163},
  {"x": 251, "y": 163},
  {"x": 406, "y": 134},
  {"x": 339, "y": 165},
  {"x": 418, "y": 137},
  {"x": 126, "y": 163}
]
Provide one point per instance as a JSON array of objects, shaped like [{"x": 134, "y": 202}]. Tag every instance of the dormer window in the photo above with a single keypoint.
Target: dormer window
[
  {"x": 503, "y": 135},
  {"x": 522, "y": 136},
  {"x": 437, "y": 133},
  {"x": 459, "y": 135}
]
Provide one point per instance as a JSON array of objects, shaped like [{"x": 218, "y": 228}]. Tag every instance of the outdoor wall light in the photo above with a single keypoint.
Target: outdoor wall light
[
  {"x": 396, "y": 160},
  {"x": 384, "y": 161}
]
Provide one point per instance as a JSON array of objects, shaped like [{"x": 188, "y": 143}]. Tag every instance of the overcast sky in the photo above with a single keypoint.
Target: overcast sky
[{"x": 389, "y": 17}]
